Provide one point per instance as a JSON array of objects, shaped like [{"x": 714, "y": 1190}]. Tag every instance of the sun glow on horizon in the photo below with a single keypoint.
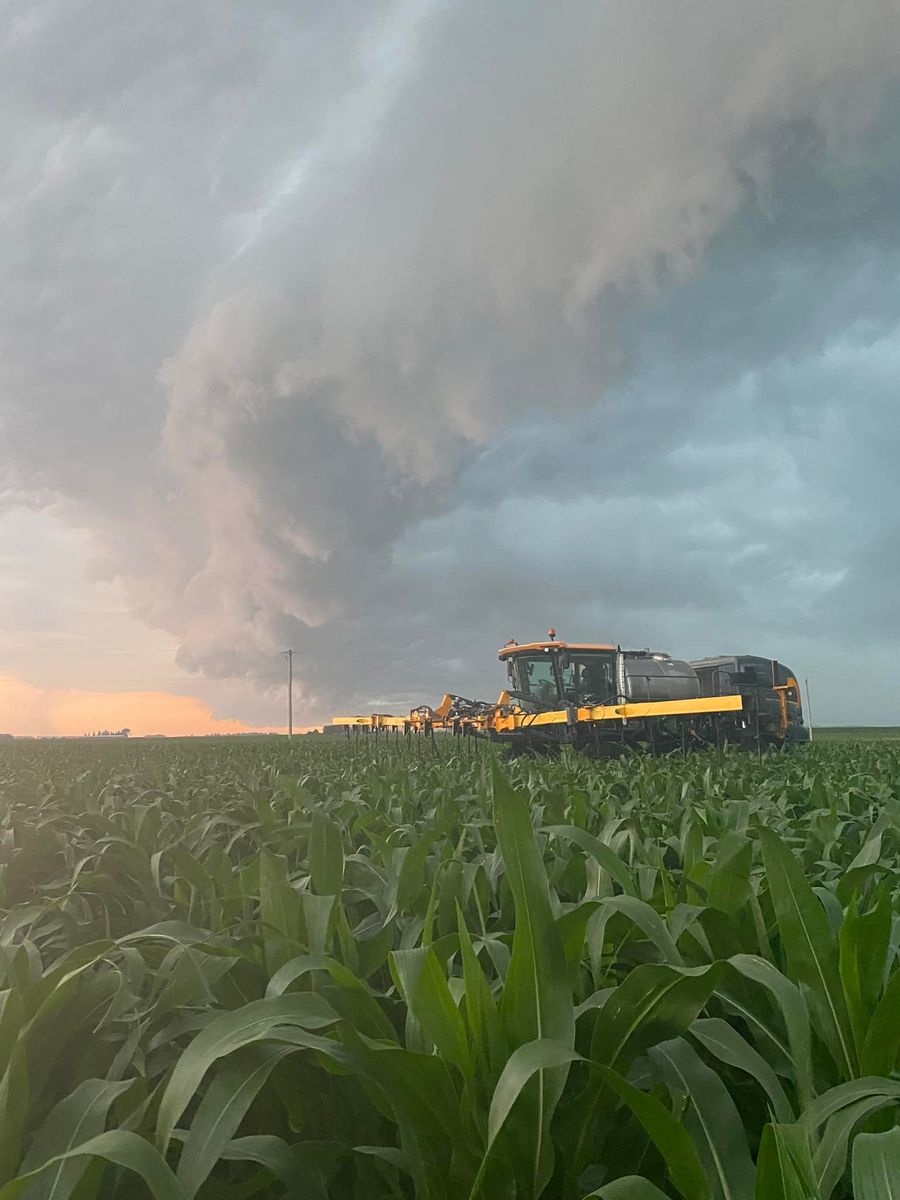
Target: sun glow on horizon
[{"x": 26, "y": 710}]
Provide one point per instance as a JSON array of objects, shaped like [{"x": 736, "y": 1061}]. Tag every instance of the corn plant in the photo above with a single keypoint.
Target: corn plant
[{"x": 387, "y": 970}]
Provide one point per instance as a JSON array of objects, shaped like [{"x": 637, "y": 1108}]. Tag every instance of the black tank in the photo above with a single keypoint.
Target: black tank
[{"x": 651, "y": 676}]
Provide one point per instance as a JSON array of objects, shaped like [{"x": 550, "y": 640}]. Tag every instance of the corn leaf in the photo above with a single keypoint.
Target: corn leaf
[
  {"x": 77, "y": 1118},
  {"x": 712, "y": 1118},
  {"x": 794, "y": 1014},
  {"x": 537, "y": 1000},
  {"x": 481, "y": 1010},
  {"x": 830, "y": 1156},
  {"x": 881, "y": 1041},
  {"x": 727, "y": 1045},
  {"x": 864, "y": 941},
  {"x": 326, "y": 855},
  {"x": 809, "y": 946},
  {"x": 222, "y": 1109},
  {"x": 116, "y": 1146},
  {"x": 602, "y": 854},
  {"x": 876, "y": 1166},
  {"x": 668, "y": 1135},
  {"x": 629, "y": 1187},
  {"x": 428, "y": 999},
  {"x": 728, "y": 881},
  {"x": 784, "y": 1168},
  {"x": 253, "y": 1023},
  {"x": 280, "y": 911}
]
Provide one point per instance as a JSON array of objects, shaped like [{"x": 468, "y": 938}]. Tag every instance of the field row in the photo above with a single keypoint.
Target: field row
[{"x": 257, "y": 969}]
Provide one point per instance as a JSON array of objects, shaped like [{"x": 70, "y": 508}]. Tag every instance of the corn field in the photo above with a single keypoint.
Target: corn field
[{"x": 331, "y": 972}]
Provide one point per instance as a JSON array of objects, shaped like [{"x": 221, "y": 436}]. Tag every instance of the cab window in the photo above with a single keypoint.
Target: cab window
[
  {"x": 535, "y": 678},
  {"x": 589, "y": 677}
]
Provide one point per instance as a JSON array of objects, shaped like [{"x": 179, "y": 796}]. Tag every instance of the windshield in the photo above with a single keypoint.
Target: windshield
[
  {"x": 535, "y": 677},
  {"x": 587, "y": 677}
]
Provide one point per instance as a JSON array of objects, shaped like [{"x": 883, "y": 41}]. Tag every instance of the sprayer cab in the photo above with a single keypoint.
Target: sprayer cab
[
  {"x": 550, "y": 674},
  {"x": 545, "y": 675}
]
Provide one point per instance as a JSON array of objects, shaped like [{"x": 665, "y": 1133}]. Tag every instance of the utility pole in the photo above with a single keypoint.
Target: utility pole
[{"x": 289, "y": 655}]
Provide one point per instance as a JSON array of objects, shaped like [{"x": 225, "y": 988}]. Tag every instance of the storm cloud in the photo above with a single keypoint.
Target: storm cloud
[{"x": 389, "y": 331}]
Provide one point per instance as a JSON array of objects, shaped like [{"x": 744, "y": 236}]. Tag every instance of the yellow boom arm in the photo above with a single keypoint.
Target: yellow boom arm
[{"x": 503, "y": 718}]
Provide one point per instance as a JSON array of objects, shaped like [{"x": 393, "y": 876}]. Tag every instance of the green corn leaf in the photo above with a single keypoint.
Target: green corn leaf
[
  {"x": 713, "y": 1117},
  {"x": 56, "y": 985},
  {"x": 424, "y": 988},
  {"x": 189, "y": 869},
  {"x": 832, "y": 905},
  {"x": 830, "y": 1156},
  {"x": 629, "y": 1187},
  {"x": 537, "y": 999},
  {"x": 116, "y": 1146},
  {"x": 864, "y": 941},
  {"x": 354, "y": 1000},
  {"x": 881, "y": 1043},
  {"x": 12, "y": 1018},
  {"x": 280, "y": 910},
  {"x": 728, "y": 881},
  {"x": 481, "y": 1009},
  {"x": 825, "y": 1106},
  {"x": 318, "y": 914},
  {"x": 326, "y": 855},
  {"x": 640, "y": 913},
  {"x": 390, "y": 1154},
  {"x": 794, "y": 1013},
  {"x": 599, "y": 851},
  {"x": 77, "y": 1118},
  {"x": 524, "y": 1064},
  {"x": 222, "y": 1109},
  {"x": 418, "y": 1088},
  {"x": 870, "y": 851},
  {"x": 809, "y": 945},
  {"x": 784, "y": 1168},
  {"x": 572, "y": 926},
  {"x": 15, "y": 1099},
  {"x": 651, "y": 1004},
  {"x": 854, "y": 881},
  {"x": 876, "y": 1166},
  {"x": 726, "y": 1044},
  {"x": 229, "y": 1032},
  {"x": 668, "y": 1135},
  {"x": 186, "y": 976},
  {"x": 305, "y": 964},
  {"x": 411, "y": 877},
  {"x": 302, "y": 1168}
]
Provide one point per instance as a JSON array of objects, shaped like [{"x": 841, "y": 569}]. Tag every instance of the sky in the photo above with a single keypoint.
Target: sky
[{"x": 386, "y": 331}]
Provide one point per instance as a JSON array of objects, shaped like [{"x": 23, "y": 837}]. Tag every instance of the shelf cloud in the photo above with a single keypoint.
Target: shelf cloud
[{"x": 388, "y": 331}]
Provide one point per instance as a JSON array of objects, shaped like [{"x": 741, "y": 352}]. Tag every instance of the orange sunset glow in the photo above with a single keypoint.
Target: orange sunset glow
[{"x": 26, "y": 709}]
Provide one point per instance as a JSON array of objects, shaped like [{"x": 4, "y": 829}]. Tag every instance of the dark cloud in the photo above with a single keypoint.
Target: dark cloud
[{"x": 388, "y": 331}]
